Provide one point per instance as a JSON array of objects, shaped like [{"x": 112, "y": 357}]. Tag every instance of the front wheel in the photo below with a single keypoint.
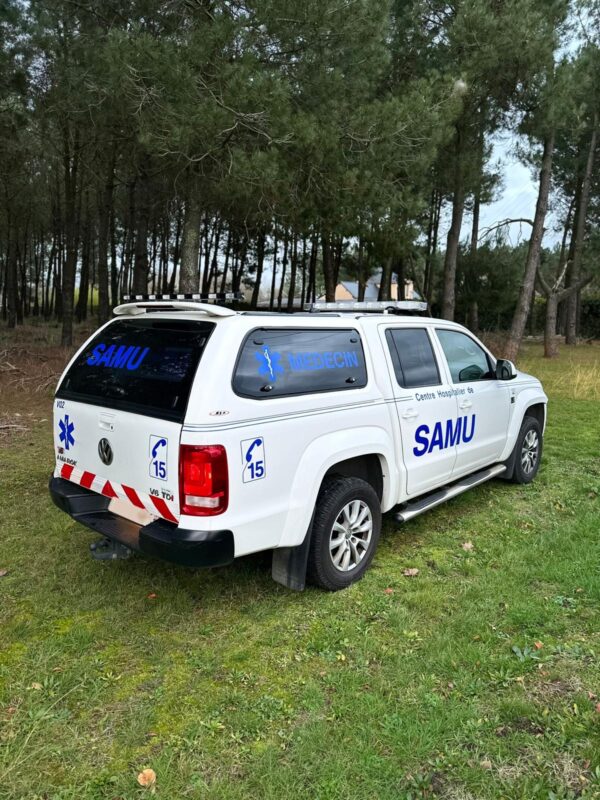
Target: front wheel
[
  {"x": 528, "y": 451},
  {"x": 345, "y": 533}
]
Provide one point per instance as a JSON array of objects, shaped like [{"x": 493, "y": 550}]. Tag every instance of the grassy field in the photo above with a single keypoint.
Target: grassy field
[{"x": 478, "y": 678}]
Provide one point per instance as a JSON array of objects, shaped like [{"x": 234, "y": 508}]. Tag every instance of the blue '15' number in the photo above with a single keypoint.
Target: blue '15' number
[
  {"x": 257, "y": 469},
  {"x": 160, "y": 469}
]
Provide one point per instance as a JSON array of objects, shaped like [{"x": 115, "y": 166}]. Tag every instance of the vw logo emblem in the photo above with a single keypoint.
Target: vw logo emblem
[{"x": 105, "y": 451}]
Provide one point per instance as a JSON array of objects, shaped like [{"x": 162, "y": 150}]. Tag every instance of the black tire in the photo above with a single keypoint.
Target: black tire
[
  {"x": 530, "y": 441},
  {"x": 336, "y": 495}
]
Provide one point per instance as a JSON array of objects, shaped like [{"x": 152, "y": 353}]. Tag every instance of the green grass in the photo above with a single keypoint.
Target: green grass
[{"x": 229, "y": 686}]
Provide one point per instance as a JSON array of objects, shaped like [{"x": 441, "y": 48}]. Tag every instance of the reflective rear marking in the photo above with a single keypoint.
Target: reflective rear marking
[
  {"x": 66, "y": 471},
  {"x": 108, "y": 490},
  {"x": 87, "y": 479},
  {"x": 162, "y": 508},
  {"x": 154, "y": 505},
  {"x": 133, "y": 497}
]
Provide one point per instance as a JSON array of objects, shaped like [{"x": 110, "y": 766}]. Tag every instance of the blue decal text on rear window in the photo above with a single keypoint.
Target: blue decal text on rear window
[
  {"x": 327, "y": 360},
  {"x": 121, "y": 357}
]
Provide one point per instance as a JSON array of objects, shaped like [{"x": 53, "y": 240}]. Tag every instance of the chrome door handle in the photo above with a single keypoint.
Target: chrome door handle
[
  {"x": 465, "y": 404},
  {"x": 410, "y": 414}
]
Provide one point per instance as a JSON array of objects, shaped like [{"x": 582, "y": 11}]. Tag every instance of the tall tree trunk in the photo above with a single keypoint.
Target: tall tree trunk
[
  {"x": 274, "y": 275},
  {"x": 579, "y": 235},
  {"x": 451, "y": 259},
  {"x": 531, "y": 318},
  {"x": 154, "y": 253},
  {"x": 311, "y": 290},
  {"x": 286, "y": 243},
  {"x": 214, "y": 266},
  {"x": 47, "y": 307},
  {"x": 189, "y": 278},
  {"x": 550, "y": 340},
  {"x": 70, "y": 170},
  {"x": 260, "y": 261},
  {"x": 401, "y": 277},
  {"x": 57, "y": 282},
  {"x": 128, "y": 239},
  {"x": 163, "y": 263},
  {"x": 429, "y": 243},
  {"x": 226, "y": 261},
  {"x": 385, "y": 287},
  {"x": 303, "y": 273},
  {"x": 114, "y": 272},
  {"x": 328, "y": 268},
  {"x": 11, "y": 281},
  {"x": 434, "y": 245},
  {"x": 140, "y": 264},
  {"x": 337, "y": 260},
  {"x": 38, "y": 263},
  {"x": 533, "y": 254},
  {"x": 360, "y": 269},
  {"x": 210, "y": 230},
  {"x": 293, "y": 270},
  {"x": 563, "y": 242},
  {"x": 238, "y": 272},
  {"x": 473, "y": 309},
  {"x": 170, "y": 287},
  {"x": 93, "y": 276},
  {"x": 84, "y": 278},
  {"x": 561, "y": 324},
  {"x": 104, "y": 230}
]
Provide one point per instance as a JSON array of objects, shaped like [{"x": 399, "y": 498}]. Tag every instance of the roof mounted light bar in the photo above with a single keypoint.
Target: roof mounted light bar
[
  {"x": 370, "y": 306},
  {"x": 199, "y": 297}
]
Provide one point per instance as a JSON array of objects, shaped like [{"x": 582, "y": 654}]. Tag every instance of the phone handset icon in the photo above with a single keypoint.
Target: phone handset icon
[
  {"x": 160, "y": 443},
  {"x": 254, "y": 444}
]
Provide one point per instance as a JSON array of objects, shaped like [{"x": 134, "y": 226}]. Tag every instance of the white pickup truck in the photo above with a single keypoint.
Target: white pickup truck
[{"x": 195, "y": 433}]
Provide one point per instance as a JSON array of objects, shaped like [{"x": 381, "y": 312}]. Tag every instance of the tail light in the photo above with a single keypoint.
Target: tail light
[{"x": 203, "y": 480}]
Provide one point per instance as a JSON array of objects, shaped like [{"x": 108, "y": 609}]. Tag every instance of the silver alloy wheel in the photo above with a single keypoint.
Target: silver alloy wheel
[
  {"x": 530, "y": 451},
  {"x": 351, "y": 535}
]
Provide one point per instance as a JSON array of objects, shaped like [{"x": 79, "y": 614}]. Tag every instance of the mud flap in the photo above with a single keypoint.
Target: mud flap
[
  {"x": 510, "y": 465},
  {"x": 289, "y": 563}
]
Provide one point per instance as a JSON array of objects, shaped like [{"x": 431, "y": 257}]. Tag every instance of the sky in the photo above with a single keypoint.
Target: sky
[{"x": 516, "y": 197}]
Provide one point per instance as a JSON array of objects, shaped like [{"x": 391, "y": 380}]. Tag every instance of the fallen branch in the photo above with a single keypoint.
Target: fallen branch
[{"x": 486, "y": 231}]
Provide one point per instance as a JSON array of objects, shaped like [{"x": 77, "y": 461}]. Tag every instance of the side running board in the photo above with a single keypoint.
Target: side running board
[{"x": 417, "y": 507}]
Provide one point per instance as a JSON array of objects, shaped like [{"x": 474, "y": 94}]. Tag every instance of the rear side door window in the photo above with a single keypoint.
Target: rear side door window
[
  {"x": 413, "y": 358},
  {"x": 277, "y": 362},
  {"x": 466, "y": 359}
]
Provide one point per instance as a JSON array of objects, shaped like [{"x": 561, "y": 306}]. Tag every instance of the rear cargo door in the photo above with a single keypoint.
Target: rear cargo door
[{"x": 119, "y": 411}]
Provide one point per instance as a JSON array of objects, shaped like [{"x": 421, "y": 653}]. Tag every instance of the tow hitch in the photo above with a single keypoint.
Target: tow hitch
[{"x": 109, "y": 550}]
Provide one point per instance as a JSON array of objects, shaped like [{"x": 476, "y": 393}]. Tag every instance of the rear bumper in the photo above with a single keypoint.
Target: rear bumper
[{"x": 160, "y": 539}]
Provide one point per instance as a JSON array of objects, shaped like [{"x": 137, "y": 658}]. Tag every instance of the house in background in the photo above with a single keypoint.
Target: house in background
[{"x": 348, "y": 290}]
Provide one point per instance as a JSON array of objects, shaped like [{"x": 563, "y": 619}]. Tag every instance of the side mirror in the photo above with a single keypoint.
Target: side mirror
[{"x": 505, "y": 370}]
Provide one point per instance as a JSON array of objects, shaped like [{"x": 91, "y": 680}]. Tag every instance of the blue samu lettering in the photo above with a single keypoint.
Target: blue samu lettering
[
  {"x": 454, "y": 433},
  {"x": 122, "y": 357}
]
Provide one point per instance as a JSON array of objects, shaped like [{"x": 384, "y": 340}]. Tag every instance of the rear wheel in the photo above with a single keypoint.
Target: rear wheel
[
  {"x": 528, "y": 451},
  {"x": 345, "y": 533}
]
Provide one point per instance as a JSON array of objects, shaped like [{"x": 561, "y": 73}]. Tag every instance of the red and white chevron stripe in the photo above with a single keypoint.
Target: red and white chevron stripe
[{"x": 154, "y": 505}]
